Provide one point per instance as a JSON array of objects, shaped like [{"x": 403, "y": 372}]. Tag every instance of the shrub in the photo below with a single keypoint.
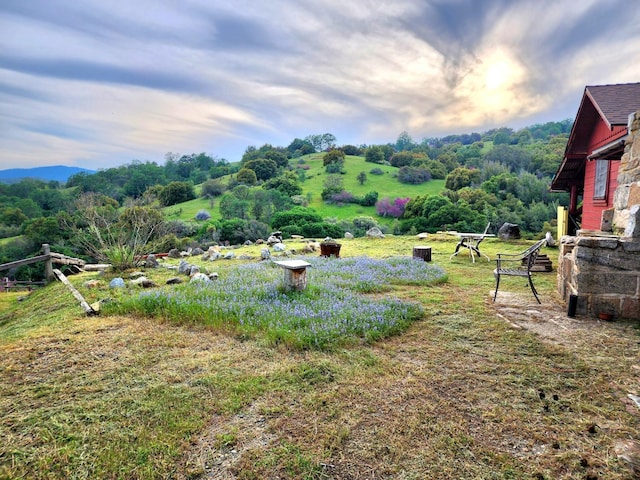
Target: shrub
[
  {"x": 388, "y": 208},
  {"x": 376, "y": 171},
  {"x": 369, "y": 199},
  {"x": 343, "y": 197},
  {"x": 334, "y": 168},
  {"x": 413, "y": 175},
  {"x": 203, "y": 215},
  {"x": 212, "y": 188},
  {"x": 177, "y": 192}
]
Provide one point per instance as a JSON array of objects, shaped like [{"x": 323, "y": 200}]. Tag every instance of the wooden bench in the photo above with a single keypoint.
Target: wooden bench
[{"x": 525, "y": 262}]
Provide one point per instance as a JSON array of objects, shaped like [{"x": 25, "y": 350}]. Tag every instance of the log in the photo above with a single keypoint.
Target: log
[{"x": 83, "y": 303}]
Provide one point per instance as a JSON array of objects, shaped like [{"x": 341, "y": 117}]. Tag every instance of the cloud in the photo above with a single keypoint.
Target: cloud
[{"x": 102, "y": 84}]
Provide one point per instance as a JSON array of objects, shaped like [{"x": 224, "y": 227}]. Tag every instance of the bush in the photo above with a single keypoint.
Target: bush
[
  {"x": 177, "y": 192},
  {"x": 334, "y": 168},
  {"x": 388, "y": 208},
  {"x": 203, "y": 215},
  {"x": 314, "y": 230},
  {"x": 212, "y": 188},
  {"x": 413, "y": 175},
  {"x": 376, "y": 171},
  {"x": 369, "y": 200}
]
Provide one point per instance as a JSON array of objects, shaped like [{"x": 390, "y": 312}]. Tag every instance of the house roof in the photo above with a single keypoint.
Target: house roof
[{"x": 610, "y": 103}]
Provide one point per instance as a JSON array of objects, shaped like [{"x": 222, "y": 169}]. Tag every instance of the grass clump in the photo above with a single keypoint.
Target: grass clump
[{"x": 332, "y": 311}]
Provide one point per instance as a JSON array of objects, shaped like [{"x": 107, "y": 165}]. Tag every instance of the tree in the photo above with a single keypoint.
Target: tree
[
  {"x": 246, "y": 176},
  {"x": 333, "y": 156},
  {"x": 462, "y": 177},
  {"x": 333, "y": 185},
  {"x": 321, "y": 142},
  {"x": 404, "y": 142},
  {"x": 177, "y": 192},
  {"x": 362, "y": 178},
  {"x": 264, "y": 168},
  {"x": 374, "y": 155},
  {"x": 212, "y": 188},
  {"x": 286, "y": 183}
]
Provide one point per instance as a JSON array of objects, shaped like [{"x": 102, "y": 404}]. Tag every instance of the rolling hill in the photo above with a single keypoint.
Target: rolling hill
[{"x": 59, "y": 173}]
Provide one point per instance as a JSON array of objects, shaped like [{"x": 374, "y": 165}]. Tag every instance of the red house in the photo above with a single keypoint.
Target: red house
[{"x": 589, "y": 169}]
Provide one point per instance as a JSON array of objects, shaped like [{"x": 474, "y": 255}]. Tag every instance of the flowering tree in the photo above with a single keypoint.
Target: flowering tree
[{"x": 388, "y": 208}]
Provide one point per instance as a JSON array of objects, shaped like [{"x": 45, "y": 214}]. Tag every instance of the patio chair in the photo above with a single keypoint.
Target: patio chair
[{"x": 525, "y": 260}]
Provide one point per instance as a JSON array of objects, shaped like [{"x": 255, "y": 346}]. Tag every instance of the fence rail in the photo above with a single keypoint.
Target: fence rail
[{"x": 49, "y": 258}]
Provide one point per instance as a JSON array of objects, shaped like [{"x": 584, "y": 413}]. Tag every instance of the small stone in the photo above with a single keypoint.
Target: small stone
[
  {"x": 279, "y": 247},
  {"x": 348, "y": 235},
  {"x": 174, "y": 281}
]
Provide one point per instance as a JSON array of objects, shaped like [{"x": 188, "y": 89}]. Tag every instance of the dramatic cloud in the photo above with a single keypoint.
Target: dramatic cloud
[{"x": 99, "y": 84}]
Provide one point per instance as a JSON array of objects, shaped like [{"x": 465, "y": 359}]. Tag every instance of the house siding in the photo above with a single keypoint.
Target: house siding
[{"x": 592, "y": 208}]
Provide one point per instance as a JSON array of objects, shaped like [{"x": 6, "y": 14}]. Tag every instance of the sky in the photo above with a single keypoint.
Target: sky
[{"x": 99, "y": 84}]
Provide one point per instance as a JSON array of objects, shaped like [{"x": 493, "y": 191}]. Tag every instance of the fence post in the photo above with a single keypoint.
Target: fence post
[{"x": 48, "y": 264}]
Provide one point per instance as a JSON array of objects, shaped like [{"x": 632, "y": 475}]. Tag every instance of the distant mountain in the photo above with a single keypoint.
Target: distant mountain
[{"x": 58, "y": 173}]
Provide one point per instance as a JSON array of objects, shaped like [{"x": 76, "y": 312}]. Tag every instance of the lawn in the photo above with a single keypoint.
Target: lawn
[{"x": 456, "y": 393}]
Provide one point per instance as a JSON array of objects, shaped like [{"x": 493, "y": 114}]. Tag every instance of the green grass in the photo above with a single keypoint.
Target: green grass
[
  {"x": 387, "y": 185},
  {"x": 456, "y": 395}
]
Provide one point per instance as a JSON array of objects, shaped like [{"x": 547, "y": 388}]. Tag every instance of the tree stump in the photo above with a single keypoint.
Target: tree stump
[{"x": 423, "y": 253}]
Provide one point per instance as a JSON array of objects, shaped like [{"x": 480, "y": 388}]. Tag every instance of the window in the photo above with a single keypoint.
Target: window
[{"x": 601, "y": 179}]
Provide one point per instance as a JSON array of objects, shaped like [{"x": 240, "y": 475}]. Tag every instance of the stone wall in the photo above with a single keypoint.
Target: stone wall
[
  {"x": 626, "y": 214},
  {"x": 603, "y": 270}
]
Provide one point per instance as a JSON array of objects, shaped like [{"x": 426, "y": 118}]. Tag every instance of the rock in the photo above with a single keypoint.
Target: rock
[
  {"x": 265, "y": 254},
  {"x": 200, "y": 277},
  {"x": 279, "y": 247},
  {"x": 550, "y": 241},
  {"x": 197, "y": 251},
  {"x": 272, "y": 240},
  {"x": 174, "y": 281},
  {"x": 375, "y": 232},
  {"x": 308, "y": 249},
  {"x": 184, "y": 267},
  {"x": 91, "y": 284},
  {"x": 259, "y": 241},
  {"x": 422, "y": 236},
  {"x": 348, "y": 235},
  {"x": 134, "y": 275},
  {"x": 193, "y": 270},
  {"x": 229, "y": 256},
  {"x": 143, "y": 282},
  {"x": 297, "y": 237},
  {"x": 117, "y": 283},
  {"x": 509, "y": 231},
  {"x": 151, "y": 261},
  {"x": 248, "y": 243},
  {"x": 215, "y": 256},
  {"x": 174, "y": 253}
]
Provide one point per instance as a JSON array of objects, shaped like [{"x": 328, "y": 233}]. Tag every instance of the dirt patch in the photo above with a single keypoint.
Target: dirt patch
[{"x": 550, "y": 321}]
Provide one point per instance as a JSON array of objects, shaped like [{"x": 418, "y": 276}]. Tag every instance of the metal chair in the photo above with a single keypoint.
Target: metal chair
[
  {"x": 526, "y": 259},
  {"x": 472, "y": 242}
]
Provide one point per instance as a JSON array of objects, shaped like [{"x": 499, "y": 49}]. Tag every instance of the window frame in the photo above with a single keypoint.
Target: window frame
[{"x": 601, "y": 179}]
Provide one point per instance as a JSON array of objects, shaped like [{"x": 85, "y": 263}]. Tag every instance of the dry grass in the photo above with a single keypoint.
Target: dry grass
[{"x": 462, "y": 394}]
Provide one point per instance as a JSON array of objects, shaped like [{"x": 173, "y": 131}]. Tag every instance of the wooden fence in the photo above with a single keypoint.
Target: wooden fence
[{"x": 49, "y": 258}]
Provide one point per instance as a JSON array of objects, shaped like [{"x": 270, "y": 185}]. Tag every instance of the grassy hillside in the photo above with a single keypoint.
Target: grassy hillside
[
  {"x": 463, "y": 392},
  {"x": 387, "y": 185}
]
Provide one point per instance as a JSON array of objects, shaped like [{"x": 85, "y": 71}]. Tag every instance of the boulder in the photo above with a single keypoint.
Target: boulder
[
  {"x": 422, "y": 236},
  {"x": 117, "y": 283},
  {"x": 348, "y": 235},
  {"x": 143, "y": 282},
  {"x": 151, "y": 261},
  {"x": 509, "y": 231},
  {"x": 197, "y": 251},
  {"x": 279, "y": 247},
  {"x": 375, "y": 232},
  {"x": 193, "y": 270},
  {"x": 184, "y": 267},
  {"x": 265, "y": 254},
  {"x": 229, "y": 256},
  {"x": 174, "y": 281},
  {"x": 174, "y": 253},
  {"x": 200, "y": 278}
]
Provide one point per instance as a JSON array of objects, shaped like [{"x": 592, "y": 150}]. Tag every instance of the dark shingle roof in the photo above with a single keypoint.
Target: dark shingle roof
[{"x": 615, "y": 102}]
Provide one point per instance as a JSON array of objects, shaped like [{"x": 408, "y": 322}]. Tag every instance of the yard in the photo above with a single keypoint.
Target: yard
[{"x": 472, "y": 389}]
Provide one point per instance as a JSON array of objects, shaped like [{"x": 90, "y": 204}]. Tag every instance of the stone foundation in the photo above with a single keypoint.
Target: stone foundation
[{"x": 603, "y": 272}]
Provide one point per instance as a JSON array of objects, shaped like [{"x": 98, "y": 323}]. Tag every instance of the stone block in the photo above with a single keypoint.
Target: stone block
[
  {"x": 630, "y": 245},
  {"x": 606, "y": 222},
  {"x": 597, "y": 242},
  {"x": 620, "y": 220},
  {"x": 630, "y": 308},
  {"x": 621, "y": 197},
  {"x": 634, "y": 194},
  {"x": 633, "y": 226},
  {"x": 610, "y": 304},
  {"x": 588, "y": 258},
  {"x": 603, "y": 282}
]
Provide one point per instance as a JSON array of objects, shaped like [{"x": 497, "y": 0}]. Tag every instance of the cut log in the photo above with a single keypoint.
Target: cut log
[
  {"x": 423, "y": 253},
  {"x": 83, "y": 303}
]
